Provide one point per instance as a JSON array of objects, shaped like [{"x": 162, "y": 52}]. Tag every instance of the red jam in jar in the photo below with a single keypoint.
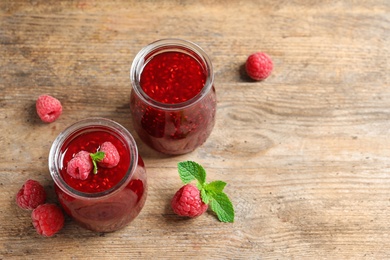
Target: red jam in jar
[
  {"x": 172, "y": 77},
  {"x": 111, "y": 198},
  {"x": 173, "y": 100},
  {"x": 105, "y": 178}
]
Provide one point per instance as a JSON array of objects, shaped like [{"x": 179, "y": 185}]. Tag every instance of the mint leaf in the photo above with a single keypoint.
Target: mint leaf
[
  {"x": 189, "y": 171},
  {"x": 210, "y": 189},
  {"x": 215, "y": 186},
  {"x": 205, "y": 197},
  {"x": 223, "y": 207},
  {"x": 96, "y": 157}
]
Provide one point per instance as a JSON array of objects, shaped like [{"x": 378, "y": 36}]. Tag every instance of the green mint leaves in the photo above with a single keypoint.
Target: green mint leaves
[
  {"x": 189, "y": 171},
  {"x": 211, "y": 193},
  {"x": 96, "y": 157}
]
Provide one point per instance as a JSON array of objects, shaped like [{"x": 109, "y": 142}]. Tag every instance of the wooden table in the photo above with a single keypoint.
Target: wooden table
[{"x": 305, "y": 152}]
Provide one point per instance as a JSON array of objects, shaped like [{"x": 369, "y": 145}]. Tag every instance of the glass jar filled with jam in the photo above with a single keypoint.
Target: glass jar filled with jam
[
  {"x": 173, "y": 99},
  {"x": 98, "y": 195}
]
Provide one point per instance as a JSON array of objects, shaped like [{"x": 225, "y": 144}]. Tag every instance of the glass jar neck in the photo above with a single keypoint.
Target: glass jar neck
[
  {"x": 75, "y": 130},
  {"x": 171, "y": 45}
]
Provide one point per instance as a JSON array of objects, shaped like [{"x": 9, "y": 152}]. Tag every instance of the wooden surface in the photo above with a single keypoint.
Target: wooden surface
[{"x": 305, "y": 152}]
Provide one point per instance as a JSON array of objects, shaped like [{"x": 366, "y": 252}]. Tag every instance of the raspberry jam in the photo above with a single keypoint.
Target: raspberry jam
[
  {"x": 172, "y": 77},
  {"x": 105, "y": 178},
  {"x": 110, "y": 199},
  {"x": 173, "y": 101}
]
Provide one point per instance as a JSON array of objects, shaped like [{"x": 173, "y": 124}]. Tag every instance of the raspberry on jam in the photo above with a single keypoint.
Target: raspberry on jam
[{"x": 105, "y": 178}]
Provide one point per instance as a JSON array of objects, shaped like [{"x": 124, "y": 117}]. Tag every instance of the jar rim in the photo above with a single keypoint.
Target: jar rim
[
  {"x": 96, "y": 123},
  {"x": 167, "y": 45}
]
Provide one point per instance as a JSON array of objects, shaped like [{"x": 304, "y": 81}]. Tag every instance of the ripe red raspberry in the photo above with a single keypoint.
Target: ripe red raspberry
[
  {"x": 259, "y": 66},
  {"x": 47, "y": 219},
  {"x": 80, "y": 165},
  {"x": 111, "y": 155},
  {"x": 48, "y": 108},
  {"x": 187, "y": 202},
  {"x": 31, "y": 195}
]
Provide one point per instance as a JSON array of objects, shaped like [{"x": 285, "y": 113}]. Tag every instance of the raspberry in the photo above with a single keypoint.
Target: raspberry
[
  {"x": 187, "y": 202},
  {"x": 48, "y": 108},
  {"x": 111, "y": 155},
  {"x": 31, "y": 195},
  {"x": 47, "y": 219},
  {"x": 259, "y": 66},
  {"x": 80, "y": 165}
]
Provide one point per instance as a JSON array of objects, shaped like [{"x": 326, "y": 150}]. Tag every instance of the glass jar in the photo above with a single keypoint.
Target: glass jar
[
  {"x": 173, "y": 99},
  {"x": 111, "y": 198}
]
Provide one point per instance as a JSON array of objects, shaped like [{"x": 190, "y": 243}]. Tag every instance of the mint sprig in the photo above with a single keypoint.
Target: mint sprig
[
  {"x": 211, "y": 193},
  {"x": 96, "y": 157}
]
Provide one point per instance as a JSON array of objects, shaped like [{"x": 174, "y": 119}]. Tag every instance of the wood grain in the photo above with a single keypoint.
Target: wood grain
[{"x": 305, "y": 152}]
